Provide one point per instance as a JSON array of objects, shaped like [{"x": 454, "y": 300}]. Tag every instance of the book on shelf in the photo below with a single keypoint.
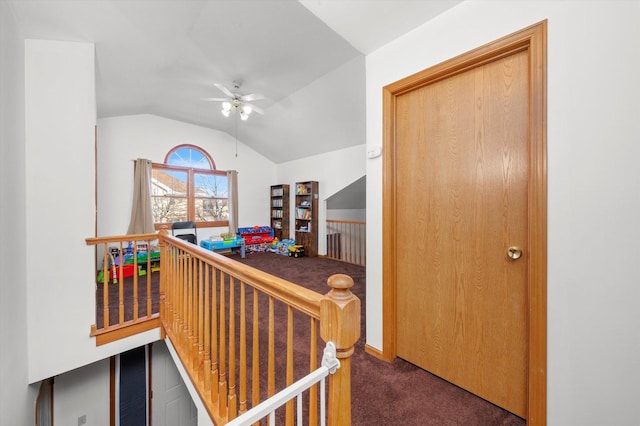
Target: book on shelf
[{"x": 303, "y": 213}]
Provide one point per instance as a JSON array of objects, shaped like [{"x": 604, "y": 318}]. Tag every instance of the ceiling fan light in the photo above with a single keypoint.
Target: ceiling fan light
[
  {"x": 243, "y": 115},
  {"x": 226, "y": 106},
  {"x": 246, "y": 109},
  {"x": 225, "y": 112}
]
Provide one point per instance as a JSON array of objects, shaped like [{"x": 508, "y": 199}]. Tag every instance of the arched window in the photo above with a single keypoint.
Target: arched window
[{"x": 187, "y": 187}]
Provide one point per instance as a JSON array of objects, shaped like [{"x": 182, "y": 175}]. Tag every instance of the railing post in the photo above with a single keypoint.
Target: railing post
[
  {"x": 340, "y": 324},
  {"x": 164, "y": 257}
]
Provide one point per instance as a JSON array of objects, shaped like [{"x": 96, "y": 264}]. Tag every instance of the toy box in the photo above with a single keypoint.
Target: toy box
[
  {"x": 215, "y": 245},
  {"x": 256, "y": 235}
]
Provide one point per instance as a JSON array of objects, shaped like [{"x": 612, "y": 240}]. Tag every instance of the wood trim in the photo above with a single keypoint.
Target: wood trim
[
  {"x": 127, "y": 329},
  {"x": 373, "y": 351},
  {"x": 534, "y": 40}
]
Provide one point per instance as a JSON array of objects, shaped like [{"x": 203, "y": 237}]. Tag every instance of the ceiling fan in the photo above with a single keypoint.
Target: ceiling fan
[{"x": 237, "y": 101}]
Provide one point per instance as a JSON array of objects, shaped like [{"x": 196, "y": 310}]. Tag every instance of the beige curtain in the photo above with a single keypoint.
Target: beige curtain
[
  {"x": 141, "y": 212},
  {"x": 232, "y": 181}
]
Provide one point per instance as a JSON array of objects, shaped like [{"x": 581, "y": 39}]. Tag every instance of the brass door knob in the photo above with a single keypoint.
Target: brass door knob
[{"x": 514, "y": 252}]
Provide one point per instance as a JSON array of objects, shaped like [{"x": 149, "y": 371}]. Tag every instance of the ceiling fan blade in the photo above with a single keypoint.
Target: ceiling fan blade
[
  {"x": 255, "y": 108},
  {"x": 215, "y": 99},
  {"x": 252, "y": 97},
  {"x": 224, "y": 90}
]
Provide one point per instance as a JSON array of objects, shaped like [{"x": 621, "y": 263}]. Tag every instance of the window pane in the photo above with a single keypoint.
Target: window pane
[
  {"x": 169, "y": 209},
  {"x": 168, "y": 195},
  {"x": 210, "y": 185},
  {"x": 211, "y": 210},
  {"x": 190, "y": 158}
]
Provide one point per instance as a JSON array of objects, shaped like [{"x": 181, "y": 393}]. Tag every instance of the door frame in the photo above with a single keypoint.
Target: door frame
[{"x": 534, "y": 40}]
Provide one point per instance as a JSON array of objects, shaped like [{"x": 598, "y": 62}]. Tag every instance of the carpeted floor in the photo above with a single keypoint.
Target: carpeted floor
[
  {"x": 387, "y": 394},
  {"x": 397, "y": 393}
]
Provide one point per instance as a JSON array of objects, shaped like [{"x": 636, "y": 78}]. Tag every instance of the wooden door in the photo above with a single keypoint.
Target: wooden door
[{"x": 461, "y": 216}]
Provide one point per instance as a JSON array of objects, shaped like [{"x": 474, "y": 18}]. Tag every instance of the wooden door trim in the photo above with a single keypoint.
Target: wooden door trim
[{"x": 534, "y": 40}]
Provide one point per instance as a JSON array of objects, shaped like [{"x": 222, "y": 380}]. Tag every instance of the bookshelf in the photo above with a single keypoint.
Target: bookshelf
[
  {"x": 306, "y": 216},
  {"x": 280, "y": 211}
]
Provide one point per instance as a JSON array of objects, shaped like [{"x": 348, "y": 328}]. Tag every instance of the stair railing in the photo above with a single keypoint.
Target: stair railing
[{"x": 235, "y": 328}]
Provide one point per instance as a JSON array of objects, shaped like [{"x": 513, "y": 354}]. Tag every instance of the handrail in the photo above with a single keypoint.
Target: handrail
[
  {"x": 227, "y": 321},
  {"x": 202, "y": 315}
]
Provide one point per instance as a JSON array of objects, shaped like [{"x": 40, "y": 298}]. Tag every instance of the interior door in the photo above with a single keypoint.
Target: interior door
[
  {"x": 462, "y": 229},
  {"x": 172, "y": 405}
]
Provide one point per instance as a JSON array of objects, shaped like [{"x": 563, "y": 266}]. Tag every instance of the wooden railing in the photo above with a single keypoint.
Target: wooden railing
[
  {"x": 125, "y": 286},
  {"x": 242, "y": 334},
  {"x": 346, "y": 241},
  {"x": 236, "y": 327}
]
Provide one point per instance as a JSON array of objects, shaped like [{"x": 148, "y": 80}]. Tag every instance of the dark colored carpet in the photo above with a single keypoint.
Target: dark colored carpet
[
  {"x": 397, "y": 393},
  {"x": 388, "y": 394},
  {"x": 114, "y": 300}
]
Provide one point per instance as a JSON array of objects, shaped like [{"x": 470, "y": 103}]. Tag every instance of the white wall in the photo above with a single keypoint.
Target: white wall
[
  {"x": 358, "y": 215},
  {"x": 83, "y": 392},
  {"x": 594, "y": 188},
  {"x": 123, "y": 139},
  {"x": 16, "y": 397},
  {"x": 333, "y": 171},
  {"x": 60, "y": 116}
]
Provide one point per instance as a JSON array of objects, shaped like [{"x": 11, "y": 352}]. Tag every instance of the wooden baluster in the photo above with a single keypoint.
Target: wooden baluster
[
  {"x": 185, "y": 305},
  {"x": 222, "y": 379},
  {"x": 190, "y": 308},
  {"x": 243, "y": 349},
  {"x": 148, "y": 279},
  {"x": 313, "y": 365},
  {"x": 271, "y": 352},
  {"x": 106, "y": 277},
  {"x": 255, "y": 365},
  {"x": 183, "y": 295},
  {"x": 135, "y": 281},
  {"x": 340, "y": 324},
  {"x": 207, "y": 330},
  {"x": 214, "y": 337},
  {"x": 232, "y": 405},
  {"x": 289, "y": 372},
  {"x": 193, "y": 305},
  {"x": 175, "y": 289},
  {"x": 200, "y": 362},
  {"x": 164, "y": 276},
  {"x": 121, "y": 288}
]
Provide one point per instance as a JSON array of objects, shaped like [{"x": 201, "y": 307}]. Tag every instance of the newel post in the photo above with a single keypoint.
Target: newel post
[
  {"x": 340, "y": 324},
  {"x": 164, "y": 276}
]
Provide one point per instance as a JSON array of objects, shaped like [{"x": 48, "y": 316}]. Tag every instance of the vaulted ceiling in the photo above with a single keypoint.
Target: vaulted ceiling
[{"x": 306, "y": 57}]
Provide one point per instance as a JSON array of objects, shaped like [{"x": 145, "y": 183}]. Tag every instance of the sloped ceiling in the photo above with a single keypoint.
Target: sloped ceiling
[{"x": 307, "y": 58}]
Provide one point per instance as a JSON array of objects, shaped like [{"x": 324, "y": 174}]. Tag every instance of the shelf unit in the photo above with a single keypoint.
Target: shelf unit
[
  {"x": 280, "y": 211},
  {"x": 306, "y": 216}
]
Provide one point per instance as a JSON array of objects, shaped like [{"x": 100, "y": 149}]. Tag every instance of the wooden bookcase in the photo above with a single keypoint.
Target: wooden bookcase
[
  {"x": 306, "y": 216},
  {"x": 280, "y": 211}
]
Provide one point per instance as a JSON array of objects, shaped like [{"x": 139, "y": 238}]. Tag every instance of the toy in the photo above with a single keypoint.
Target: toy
[{"x": 296, "y": 250}]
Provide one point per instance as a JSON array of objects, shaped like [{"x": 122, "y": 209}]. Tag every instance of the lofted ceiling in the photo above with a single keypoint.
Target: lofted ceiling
[{"x": 306, "y": 57}]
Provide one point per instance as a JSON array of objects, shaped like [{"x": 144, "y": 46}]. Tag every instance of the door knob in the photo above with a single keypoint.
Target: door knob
[{"x": 514, "y": 252}]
